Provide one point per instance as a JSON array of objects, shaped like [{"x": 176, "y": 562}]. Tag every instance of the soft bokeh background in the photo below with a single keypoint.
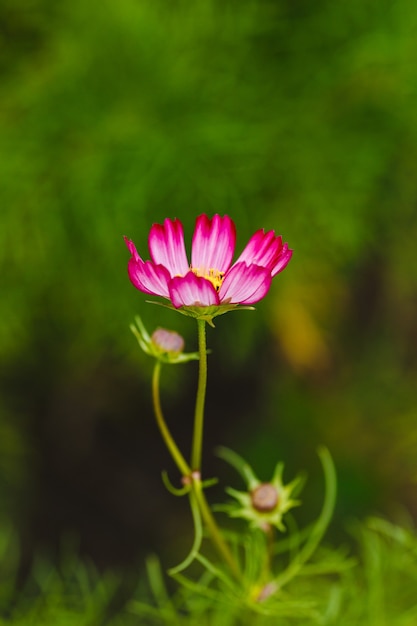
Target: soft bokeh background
[{"x": 294, "y": 116}]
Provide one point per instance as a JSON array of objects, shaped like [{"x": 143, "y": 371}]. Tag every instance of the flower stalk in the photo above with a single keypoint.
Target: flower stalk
[
  {"x": 194, "y": 476},
  {"x": 163, "y": 428},
  {"x": 196, "y": 456},
  {"x": 197, "y": 445},
  {"x": 215, "y": 533}
]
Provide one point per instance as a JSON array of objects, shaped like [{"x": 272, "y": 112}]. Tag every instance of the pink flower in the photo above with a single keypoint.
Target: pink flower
[{"x": 210, "y": 280}]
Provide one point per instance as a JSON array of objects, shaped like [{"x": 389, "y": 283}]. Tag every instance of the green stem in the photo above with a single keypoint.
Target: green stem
[
  {"x": 320, "y": 527},
  {"x": 214, "y": 531},
  {"x": 200, "y": 400},
  {"x": 184, "y": 468},
  {"x": 196, "y": 455},
  {"x": 166, "y": 435}
]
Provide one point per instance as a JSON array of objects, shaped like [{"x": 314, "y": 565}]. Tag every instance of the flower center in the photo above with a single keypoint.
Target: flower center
[
  {"x": 264, "y": 498},
  {"x": 213, "y": 275}
]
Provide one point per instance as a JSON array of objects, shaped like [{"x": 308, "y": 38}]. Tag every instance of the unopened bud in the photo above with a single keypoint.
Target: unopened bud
[
  {"x": 264, "y": 498},
  {"x": 167, "y": 341}
]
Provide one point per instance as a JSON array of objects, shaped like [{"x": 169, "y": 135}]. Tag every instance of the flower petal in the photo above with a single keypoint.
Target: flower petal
[
  {"x": 192, "y": 290},
  {"x": 146, "y": 276},
  {"x": 282, "y": 260},
  {"x": 213, "y": 244},
  {"x": 265, "y": 250},
  {"x": 245, "y": 284},
  {"x": 149, "y": 278},
  {"x": 166, "y": 246},
  {"x": 132, "y": 248}
]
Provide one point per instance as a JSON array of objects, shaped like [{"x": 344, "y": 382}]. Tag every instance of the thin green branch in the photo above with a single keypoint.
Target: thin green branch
[
  {"x": 198, "y": 537},
  {"x": 196, "y": 453},
  {"x": 180, "y": 462},
  {"x": 321, "y": 524},
  {"x": 215, "y": 534}
]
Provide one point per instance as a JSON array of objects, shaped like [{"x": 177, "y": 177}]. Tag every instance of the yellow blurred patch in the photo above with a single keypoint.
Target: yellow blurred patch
[
  {"x": 301, "y": 339},
  {"x": 303, "y": 320}
]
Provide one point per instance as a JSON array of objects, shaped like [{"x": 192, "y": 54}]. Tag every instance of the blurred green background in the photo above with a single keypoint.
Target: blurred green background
[{"x": 294, "y": 116}]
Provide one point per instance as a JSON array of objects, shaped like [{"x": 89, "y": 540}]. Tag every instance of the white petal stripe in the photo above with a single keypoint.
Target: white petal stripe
[
  {"x": 148, "y": 277},
  {"x": 213, "y": 243},
  {"x": 283, "y": 260},
  {"x": 167, "y": 248},
  {"x": 192, "y": 290},
  {"x": 262, "y": 249},
  {"x": 245, "y": 284}
]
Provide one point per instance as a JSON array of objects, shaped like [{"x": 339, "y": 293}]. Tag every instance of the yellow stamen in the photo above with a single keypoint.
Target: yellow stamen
[{"x": 213, "y": 275}]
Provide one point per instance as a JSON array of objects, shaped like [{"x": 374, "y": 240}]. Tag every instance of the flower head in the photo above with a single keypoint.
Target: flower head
[
  {"x": 210, "y": 284},
  {"x": 264, "y": 504}
]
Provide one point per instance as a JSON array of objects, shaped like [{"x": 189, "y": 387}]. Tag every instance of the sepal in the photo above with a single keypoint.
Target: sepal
[{"x": 206, "y": 313}]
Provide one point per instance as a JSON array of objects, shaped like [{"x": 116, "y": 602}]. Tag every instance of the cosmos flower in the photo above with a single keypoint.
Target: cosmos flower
[{"x": 211, "y": 284}]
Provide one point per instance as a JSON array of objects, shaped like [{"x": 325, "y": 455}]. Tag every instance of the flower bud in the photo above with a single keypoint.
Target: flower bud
[
  {"x": 167, "y": 341},
  {"x": 164, "y": 345},
  {"x": 264, "y": 498},
  {"x": 264, "y": 504}
]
